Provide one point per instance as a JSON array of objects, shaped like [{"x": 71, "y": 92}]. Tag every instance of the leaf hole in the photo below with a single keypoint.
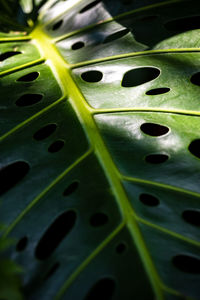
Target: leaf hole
[
  {"x": 71, "y": 188},
  {"x": 53, "y": 236},
  {"x": 149, "y": 200},
  {"x": 89, "y": 6},
  {"x": 156, "y": 158},
  {"x": 56, "y": 146},
  {"x": 102, "y": 289},
  {"x": 116, "y": 35},
  {"x": 184, "y": 24},
  {"x": 52, "y": 270},
  {"x": 98, "y": 219},
  {"x": 139, "y": 76},
  {"x": 187, "y": 264},
  {"x": 57, "y": 25},
  {"x": 28, "y": 99},
  {"x": 22, "y": 244},
  {"x": 44, "y": 132},
  {"x": 158, "y": 91},
  {"x": 11, "y": 174},
  {"x": 92, "y": 76},
  {"x": 121, "y": 248},
  {"x": 195, "y": 79},
  {"x": 78, "y": 45},
  {"x": 154, "y": 129},
  {"x": 194, "y": 148},
  {"x": 29, "y": 77},
  {"x": 8, "y": 54},
  {"x": 192, "y": 217}
]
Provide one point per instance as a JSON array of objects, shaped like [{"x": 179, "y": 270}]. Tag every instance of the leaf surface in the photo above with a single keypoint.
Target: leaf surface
[{"x": 100, "y": 148}]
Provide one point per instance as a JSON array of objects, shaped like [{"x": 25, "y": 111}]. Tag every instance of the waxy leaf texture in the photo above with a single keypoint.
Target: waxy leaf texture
[{"x": 100, "y": 147}]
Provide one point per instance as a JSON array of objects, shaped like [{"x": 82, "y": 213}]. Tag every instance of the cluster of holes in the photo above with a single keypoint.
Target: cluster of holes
[
  {"x": 131, "y": 78},
  {"x": 183, "y": 24},
  {"x": 155, "y": 130},
  {"x": 184, "y": 263},
  {"x": 190, "y": 216},
  {"x": 45, "y": 132},
  {"x": 66, "y": 220},
  {"x": 108, "y": 39}
]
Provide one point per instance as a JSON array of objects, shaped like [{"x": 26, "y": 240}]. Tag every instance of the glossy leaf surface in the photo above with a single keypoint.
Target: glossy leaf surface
[{"x": 100, "y": 148}]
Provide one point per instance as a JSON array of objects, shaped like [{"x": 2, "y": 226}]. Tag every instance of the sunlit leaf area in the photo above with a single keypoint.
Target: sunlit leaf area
[{"x": 99, "y": 150}]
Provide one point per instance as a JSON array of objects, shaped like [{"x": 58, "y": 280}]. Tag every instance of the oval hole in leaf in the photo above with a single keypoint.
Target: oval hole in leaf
[
  {"x": 71, "y": 188},
  {"x": 89, "y": 6},
  {"x": 29, "y": 77},
  {"x": 78, "y": 45},
  {"x": 192, "y": 217},
  {"x": 12, "y": 174},
  {"x": 149, "y": 200},
  {"x": 28, "y": 99},
  {"x": 92, "y": 76},
  {"x": 139, "y": 76},
  {"x": 57, "y": 25},
  {"x": 98, "y": 219},
  {"x": 52, "y": 270},
  {"x": 194, "y": 148},
  {"x": 56, "y": 146},
  {"x": 121, "y": 248},
  {"x": 6, "y": 55},
  {"x": 156, "y": 158},
  {"x": 158, "y": 91},
  {"x": 154, "y": 129},
  {"x": 183, "y": 24},
  {"x": 116, "y": 35},
  {"x": 45, "y": 132},
  {"x": 195, "y": 79},
  {"x": 187, "y": 264},
  {"x": 21, "y": 245},
  {"x": 103, "y": 289},
  {"x": 55, "y": 234}
]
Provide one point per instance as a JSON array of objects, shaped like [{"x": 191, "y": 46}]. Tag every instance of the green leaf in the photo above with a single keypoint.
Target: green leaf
[
  {"x": 9, "y": 273},
  {"x": 100, "y": 148}
]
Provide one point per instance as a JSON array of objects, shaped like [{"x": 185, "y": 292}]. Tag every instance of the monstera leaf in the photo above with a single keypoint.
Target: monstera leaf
[{"x": 100, "y": 148}]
